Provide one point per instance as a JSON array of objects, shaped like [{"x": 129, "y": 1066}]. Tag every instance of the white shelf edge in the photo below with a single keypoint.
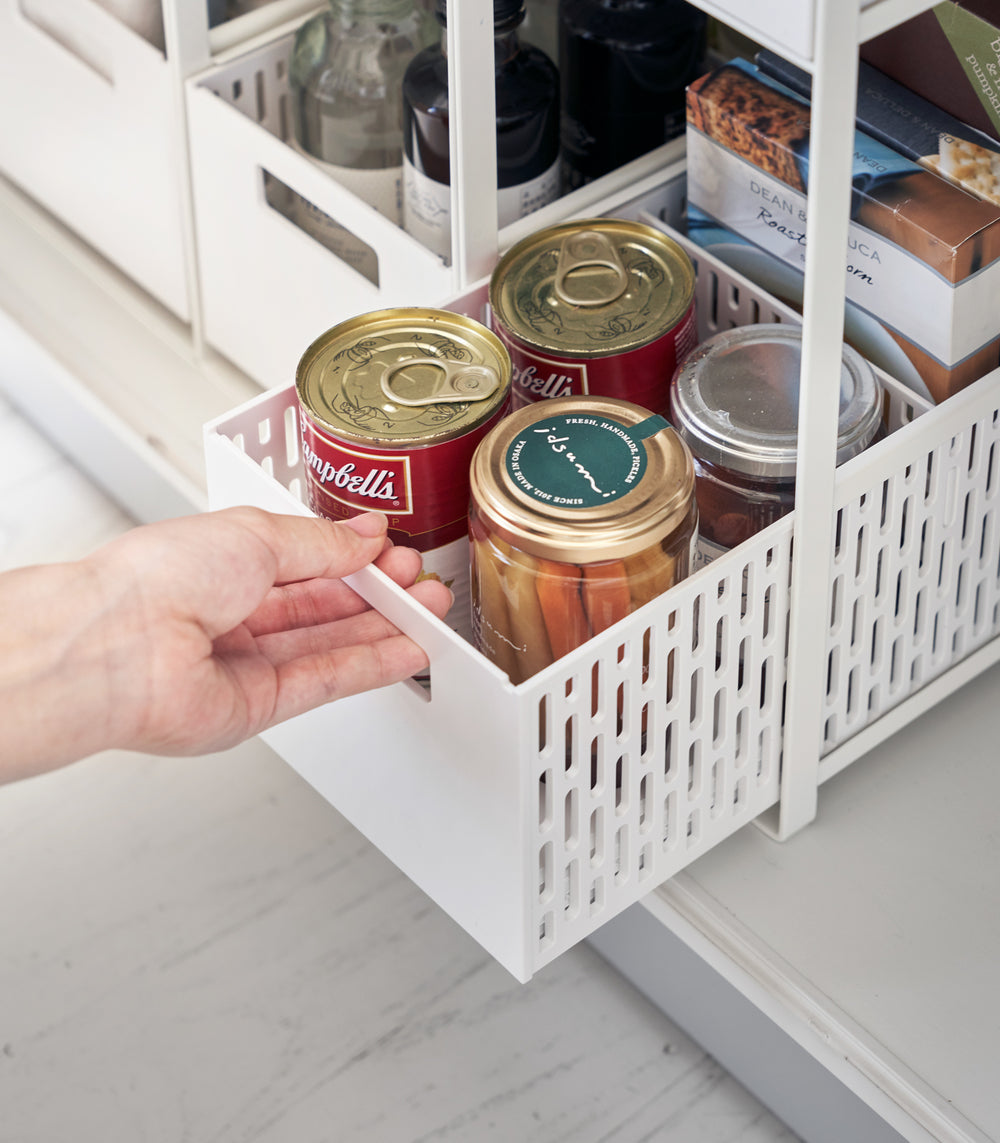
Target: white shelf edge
[{"x": 784, "y": 995}]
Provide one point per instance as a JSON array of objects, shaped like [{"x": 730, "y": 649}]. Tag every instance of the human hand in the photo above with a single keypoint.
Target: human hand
[{"x": 190, "y": 635}]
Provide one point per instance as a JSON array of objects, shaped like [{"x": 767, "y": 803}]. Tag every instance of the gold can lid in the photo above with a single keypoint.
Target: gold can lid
[
  {"x": 592, "y": 288},
  {"x": 582, "y": 479},
  {"x": 403, "y": 377}
]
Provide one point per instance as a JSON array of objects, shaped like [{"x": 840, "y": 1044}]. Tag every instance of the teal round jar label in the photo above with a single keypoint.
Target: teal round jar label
[{"x": 578, "y": 460}]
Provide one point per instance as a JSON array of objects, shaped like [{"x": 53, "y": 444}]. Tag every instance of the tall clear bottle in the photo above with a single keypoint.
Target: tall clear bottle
[
  {"x": 527, "y": 101},
  {"x": 623, "y": 65},
  {"x": 346, "y": 73}
]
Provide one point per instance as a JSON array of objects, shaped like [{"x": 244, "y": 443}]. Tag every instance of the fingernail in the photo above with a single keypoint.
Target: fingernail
[{"x": 368, "y": 524}]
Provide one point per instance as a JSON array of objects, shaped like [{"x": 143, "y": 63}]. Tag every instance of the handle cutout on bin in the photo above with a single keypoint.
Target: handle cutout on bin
[
  {"x": 61, "y": 23},
  {"x": 332, "y": 235}
]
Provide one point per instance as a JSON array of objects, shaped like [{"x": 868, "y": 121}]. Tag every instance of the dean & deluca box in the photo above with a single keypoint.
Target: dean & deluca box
[{"x": 923, "y": 256}]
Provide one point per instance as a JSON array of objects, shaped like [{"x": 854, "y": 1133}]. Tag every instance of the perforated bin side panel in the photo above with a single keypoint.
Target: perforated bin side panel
[
  {"x": 257, "y": 84},
  {"x": 654, "y": 750},
  {"x": 916, "y": 575}
]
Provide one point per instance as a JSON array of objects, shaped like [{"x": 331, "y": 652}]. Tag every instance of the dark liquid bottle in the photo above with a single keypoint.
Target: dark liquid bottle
[
  {"x": 527, "y": 101},
  {"x": 624, "y": 65}
]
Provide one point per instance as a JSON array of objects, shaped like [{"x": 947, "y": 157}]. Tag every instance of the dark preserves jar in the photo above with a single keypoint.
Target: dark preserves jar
[
  {"x": 582, "y": 510},
  {"x": 735, "y": 401}
]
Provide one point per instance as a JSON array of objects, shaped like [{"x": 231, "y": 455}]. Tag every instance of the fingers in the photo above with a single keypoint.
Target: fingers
[
  {"x": 284, "y": 551},
  {"x": 434, "y": 595},
  {"x": 306, "y": 683},
  {"x": 218, "y": 567},
  {"x": 307, "y": 547},
  {"x": 365, "y": 625},
  {"x": 326, "y": 600}
]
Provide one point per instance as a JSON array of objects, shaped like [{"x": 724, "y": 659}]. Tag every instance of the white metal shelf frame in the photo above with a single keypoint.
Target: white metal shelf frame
[
  {"x": 832, "y": 121},
  {"x": 837, "y": 31}
]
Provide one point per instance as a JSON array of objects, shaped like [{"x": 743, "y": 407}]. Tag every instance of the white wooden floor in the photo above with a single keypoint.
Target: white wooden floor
[{"x": 203, "y": 951}]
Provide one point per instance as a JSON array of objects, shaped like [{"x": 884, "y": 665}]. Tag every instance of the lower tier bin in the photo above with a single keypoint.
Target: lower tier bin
[{"x": 533, "y": 814}]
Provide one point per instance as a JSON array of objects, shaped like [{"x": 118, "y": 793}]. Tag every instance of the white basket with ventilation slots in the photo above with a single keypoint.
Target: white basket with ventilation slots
[
  {"x": 90, "y": 128},
  {"x": 268, "y": 286},
  {"x": 534, "y": 814}
]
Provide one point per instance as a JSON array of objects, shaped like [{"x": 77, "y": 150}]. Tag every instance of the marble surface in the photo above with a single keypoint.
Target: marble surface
[{"x": 203, "y": 951}]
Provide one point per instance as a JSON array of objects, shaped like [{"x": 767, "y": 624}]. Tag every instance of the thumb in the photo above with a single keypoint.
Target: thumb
[{"x": 368, "y": 524}]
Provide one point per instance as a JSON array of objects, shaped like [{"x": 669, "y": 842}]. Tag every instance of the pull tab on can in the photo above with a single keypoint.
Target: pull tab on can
[
  {"x": 585, "y": 249},
  {"x": 456, "y": 381}
]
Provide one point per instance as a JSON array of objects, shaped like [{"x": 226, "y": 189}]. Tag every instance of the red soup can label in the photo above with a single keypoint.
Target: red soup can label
[
  {"x": 392, "y": 405},
  {"x": 603, "y": 307}
]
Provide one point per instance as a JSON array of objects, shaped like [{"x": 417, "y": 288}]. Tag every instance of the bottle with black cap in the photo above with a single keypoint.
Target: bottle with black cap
[{"x": 527, "y": 101}]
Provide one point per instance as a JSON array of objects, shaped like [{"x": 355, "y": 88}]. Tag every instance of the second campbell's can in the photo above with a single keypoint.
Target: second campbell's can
[
  {"x": 602, "y": 307},
  {"x": 392, "y": 406}
]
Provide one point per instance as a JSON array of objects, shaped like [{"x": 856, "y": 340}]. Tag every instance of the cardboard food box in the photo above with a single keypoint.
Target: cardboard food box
[
  {"x": 907, "y": 123},
  {"x": 923, "y": 257},
  {"x": 949, "y": 55}
]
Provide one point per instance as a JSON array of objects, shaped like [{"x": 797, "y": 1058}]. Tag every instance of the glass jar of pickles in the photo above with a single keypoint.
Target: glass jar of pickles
[
  {"x": 582, "y": 510},
  {"x": 735, "y": 402}
]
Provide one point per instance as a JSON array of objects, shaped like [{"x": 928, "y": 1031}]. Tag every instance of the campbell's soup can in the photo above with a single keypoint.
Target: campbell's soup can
[
  {"x": 603, "y": 307},
  {"x": 392, "y": 405}
]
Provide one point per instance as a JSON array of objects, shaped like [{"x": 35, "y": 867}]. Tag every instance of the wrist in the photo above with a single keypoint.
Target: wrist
[{"x": 54, "y": 701}]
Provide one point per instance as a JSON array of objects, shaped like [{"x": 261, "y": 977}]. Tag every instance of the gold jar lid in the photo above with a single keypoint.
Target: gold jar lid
[
  {"x": 592, "y": 288},
  {"x": 403, "y": 377},
  {"x": 582, "y": 479}
]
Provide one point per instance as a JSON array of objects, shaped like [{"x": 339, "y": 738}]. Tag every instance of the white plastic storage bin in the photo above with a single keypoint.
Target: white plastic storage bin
[
  {"x": 90, "y": 128},
  {"x": 268, "y": 287},
  {"x": 534, "y": 814}
]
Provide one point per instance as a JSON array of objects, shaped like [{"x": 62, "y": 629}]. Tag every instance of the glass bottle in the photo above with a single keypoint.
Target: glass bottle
[
  {"x": 623, "y": 65},
  {"x": 345, "y": 75},
  {"x": 527, "y": 114}
]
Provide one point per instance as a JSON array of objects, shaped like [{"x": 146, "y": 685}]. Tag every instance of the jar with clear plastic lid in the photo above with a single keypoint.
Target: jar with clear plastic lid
[
  {"x": 735, "y": 402},
  {"x": 582, "y": 511}
]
